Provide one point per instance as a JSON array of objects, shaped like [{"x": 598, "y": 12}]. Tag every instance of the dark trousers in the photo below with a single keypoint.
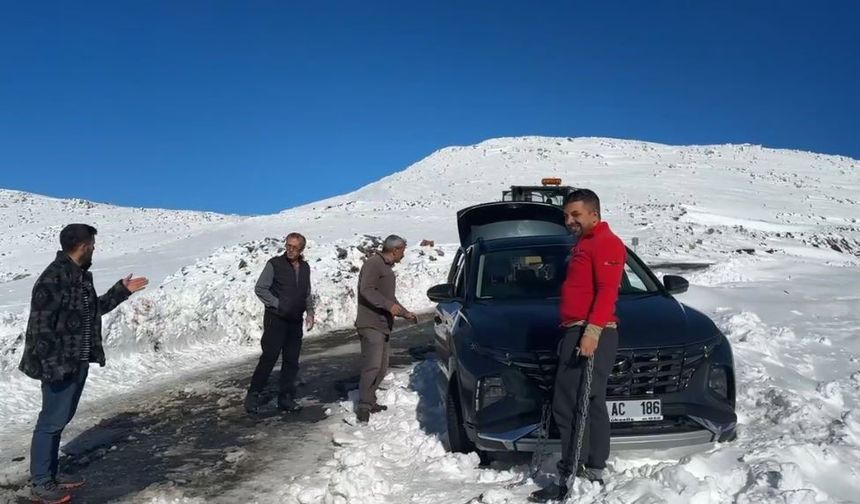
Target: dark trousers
[
  {"x": 569, "y": 386},
  {"x": 59, "y": 403},
  {"x": 280, "y": 338},
  {"x": 374, "y": 365}
]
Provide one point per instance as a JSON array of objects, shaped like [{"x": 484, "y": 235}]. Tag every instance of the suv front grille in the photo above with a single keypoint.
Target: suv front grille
[
  {"x": 639, "y": 372},
  {"x": 656, "y": 371},
  {"x": 539, "y": 366}
]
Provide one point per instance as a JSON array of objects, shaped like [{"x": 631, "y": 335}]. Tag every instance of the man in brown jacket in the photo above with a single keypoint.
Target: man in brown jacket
[{"x": 377, "y": 307}]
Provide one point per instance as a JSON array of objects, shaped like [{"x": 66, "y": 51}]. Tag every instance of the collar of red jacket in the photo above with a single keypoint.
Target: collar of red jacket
[{"x": 600, "y": 228}]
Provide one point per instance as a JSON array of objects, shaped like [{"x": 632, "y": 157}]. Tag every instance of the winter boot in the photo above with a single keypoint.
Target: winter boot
[
  {"x": 376, "y": 408},
  {"x": 252, "y": 402},
  {"x": 68, "y": 482},
  {"x": 591, "y": 474},
  {"x": 554, "y": 492},
  {"x": 49, "y": 493},
  {"x": 363, "y": 415},
  {"x": 287, "y": 403}
]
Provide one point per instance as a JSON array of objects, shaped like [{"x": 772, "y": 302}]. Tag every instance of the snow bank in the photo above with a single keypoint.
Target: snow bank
[{"x": 208, "y": 312}]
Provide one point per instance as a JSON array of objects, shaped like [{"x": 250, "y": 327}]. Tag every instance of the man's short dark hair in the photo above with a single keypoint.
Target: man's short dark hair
[
  {"x": 393, "y": 242},
  {"x": 75, "y": 235},
  {"x": 586, "y": 196}
]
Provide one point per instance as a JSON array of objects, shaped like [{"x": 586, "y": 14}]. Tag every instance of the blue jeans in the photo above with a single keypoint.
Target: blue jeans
[{"x": 59, "y": 403}]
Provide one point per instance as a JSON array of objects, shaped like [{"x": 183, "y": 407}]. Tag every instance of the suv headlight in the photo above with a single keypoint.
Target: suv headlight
[
  {"x": 491, "y": 389},
  {"x": 718, "y": 381}
]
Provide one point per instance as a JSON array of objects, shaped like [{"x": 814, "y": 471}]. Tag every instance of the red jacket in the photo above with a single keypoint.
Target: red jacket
[{"x": 590, "y": 290}]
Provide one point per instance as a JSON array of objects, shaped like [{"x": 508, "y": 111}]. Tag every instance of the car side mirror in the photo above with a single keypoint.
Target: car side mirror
[
  {"x": 441, "y": 293},
  {"x": 676, "y": 284}
]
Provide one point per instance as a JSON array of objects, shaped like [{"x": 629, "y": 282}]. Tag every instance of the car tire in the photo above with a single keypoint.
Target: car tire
[{"x": 458, "y": 440}]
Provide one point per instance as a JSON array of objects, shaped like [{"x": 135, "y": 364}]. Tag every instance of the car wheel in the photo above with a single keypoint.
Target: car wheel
[{"x": 458, "y": 440}]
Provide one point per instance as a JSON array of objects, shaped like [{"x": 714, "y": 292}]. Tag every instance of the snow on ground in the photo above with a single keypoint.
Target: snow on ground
[
  {"x": 799, "y": 430},
  {"x": 799, "y": 433},
  {"x": 779, "y": 228},
  {"x": 399, "y": 456}
]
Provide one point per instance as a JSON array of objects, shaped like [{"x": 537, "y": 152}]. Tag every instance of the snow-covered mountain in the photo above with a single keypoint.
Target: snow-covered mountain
[{"x": 779, "y": 227}]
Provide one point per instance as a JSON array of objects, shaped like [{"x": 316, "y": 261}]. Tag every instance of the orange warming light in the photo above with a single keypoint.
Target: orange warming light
[{"x": 551, "y": 181}]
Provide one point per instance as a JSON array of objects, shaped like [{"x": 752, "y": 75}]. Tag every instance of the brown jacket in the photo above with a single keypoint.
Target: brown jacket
[{"x": 376, "y": 295}]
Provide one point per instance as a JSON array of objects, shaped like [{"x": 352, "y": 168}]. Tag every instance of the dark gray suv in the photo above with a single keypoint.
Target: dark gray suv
[{"x": 497, "y": 330}]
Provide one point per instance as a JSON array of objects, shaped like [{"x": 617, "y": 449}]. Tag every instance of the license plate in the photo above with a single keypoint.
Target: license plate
[{"x": 643, "y": 410}]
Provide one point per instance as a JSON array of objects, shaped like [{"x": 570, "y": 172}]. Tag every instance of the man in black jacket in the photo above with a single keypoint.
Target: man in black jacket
[
  {"x": 64, "y": 335},
  {"x": 284, "y": 287}
]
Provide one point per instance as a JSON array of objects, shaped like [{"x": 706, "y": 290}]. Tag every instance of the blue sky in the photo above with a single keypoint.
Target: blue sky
[{"x": 253, "y": 107}]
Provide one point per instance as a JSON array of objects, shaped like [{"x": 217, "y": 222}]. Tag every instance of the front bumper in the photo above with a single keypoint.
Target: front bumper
[
  {"x": 525, "y": 439},
  {"x": 694, "y": 416}
]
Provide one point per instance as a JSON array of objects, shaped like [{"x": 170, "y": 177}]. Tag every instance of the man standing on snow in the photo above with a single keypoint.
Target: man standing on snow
[
  {"x": 377, "y": 307},
  {"x": 64, "y": 335},
  {"x": 588, "y": 298},
  {"x": 284, "y": 287}
]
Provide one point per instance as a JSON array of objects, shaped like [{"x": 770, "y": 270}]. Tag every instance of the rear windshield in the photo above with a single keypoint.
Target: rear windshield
[{"x": 538, "y": 273}]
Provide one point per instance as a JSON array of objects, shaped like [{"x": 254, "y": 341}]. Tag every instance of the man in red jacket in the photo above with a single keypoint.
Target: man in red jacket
[{"x": 588, "y": 298}]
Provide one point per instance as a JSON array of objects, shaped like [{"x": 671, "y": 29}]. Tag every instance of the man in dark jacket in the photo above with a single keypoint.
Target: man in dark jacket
[
  {"x": 64, "y": 335},
  {"x": 588, "y": 298},
  {"x": 377, "y": 307},
  {"x": 284, "y": 287}
]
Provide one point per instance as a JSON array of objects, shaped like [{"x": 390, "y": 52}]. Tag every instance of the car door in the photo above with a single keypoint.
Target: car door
[{"x": 448, "y": 312}]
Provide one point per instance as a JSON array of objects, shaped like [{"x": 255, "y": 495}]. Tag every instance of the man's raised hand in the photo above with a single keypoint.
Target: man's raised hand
[{"x": 135, "y": 284}]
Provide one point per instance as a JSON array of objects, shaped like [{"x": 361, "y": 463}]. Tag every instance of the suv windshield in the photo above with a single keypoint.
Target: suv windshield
[{"x": 538, "y": 272}]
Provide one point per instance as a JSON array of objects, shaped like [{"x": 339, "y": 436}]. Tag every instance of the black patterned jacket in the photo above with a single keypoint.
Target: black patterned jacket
[{"x": 55, "y": 328}]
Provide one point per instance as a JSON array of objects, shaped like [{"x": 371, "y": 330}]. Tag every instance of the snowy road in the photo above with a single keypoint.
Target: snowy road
[{"x": 194, "y": 438}]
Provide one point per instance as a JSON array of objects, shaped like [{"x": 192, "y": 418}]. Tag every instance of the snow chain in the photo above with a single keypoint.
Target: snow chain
[
  {"x": 584, "y": 403},
  {"x": 540, "y": 448},
  {"x": 543, "y": 436}
]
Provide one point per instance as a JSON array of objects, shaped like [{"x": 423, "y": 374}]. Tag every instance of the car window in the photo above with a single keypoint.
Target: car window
[
  {"x": 535, "y": 273},
  {"x": 455, "y": 266},
  {"x": 460, "y": 278},
  {"x": 635, "y": 279},
  {"x": 631, "y": 282},
  {"x": 539, "y": 272}
]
